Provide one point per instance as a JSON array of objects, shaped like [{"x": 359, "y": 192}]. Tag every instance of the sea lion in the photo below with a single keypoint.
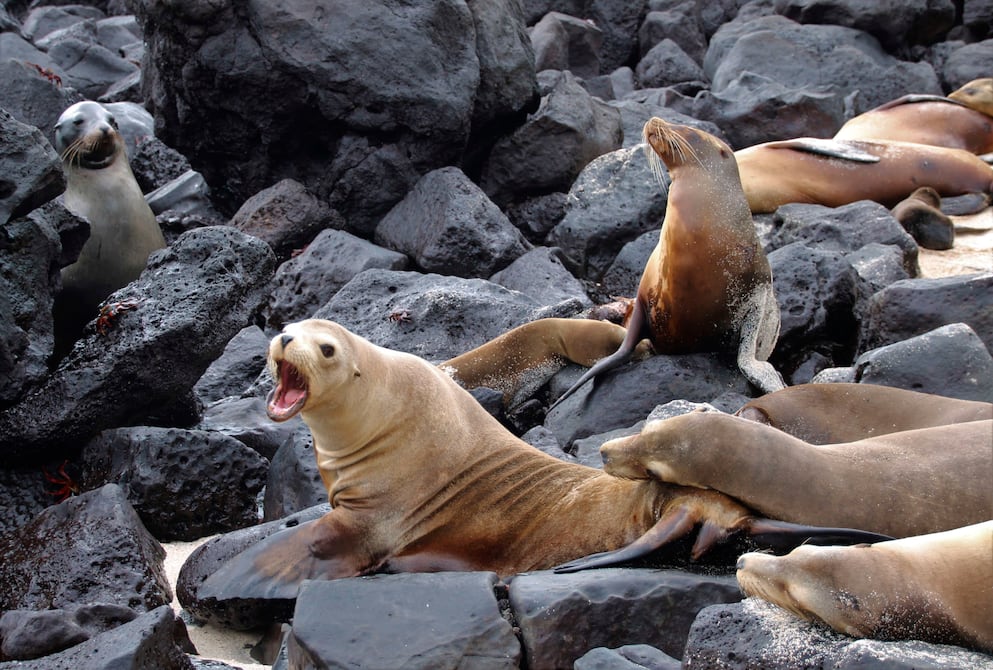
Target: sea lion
[
  {"x": 936, "y": 587},
  {"x": 101, "y": 188},
  {"x": 421, "y": 478},
  {"x": 900, "y": 484},
  {"x": 963, "y": 120},
  {"x": 920, "y": 215},
  {"x": 707, "y": 285},
  {"x": 838, "y": 172},
  {"x": 842, "y": 412}
]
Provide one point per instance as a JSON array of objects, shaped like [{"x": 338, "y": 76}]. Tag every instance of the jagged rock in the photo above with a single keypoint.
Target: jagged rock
[
  {"x": 234, "y": 371},
  {"x": 757, "y": 634},
  {"x": 569, "y": 130},
  {"x": 541, "y": 275},
  {"x": 157, "y": 640},
  {"x": 628, "y": 657},
  {"x": 29, "y": 95},
  {"x": 432, "y": 316},
  {"x": 563, "y": 42},
  {"x": 410, "y": 621},
  {"x": 294, "y": 483},
  {"x": 184, "y": 484},
  {"x": 678, "y": 22},
  {"x": 28, "y": 634},
  {"x": 32, "y": 171},
  {"x": 286, "y": 216},
  {"x": 561, "y": 617},
  {"x": 898, "y": 25},
  {"x": 191, "y": 299},
  {"x": 245, "y": 420},
  {"x": 666, "y": 64},
  {"x": 615, "y": 199},
  {"x": 90, "y": 548},
  {"x": 914, "y": 306},
  {"x": 449, "y": 226}
]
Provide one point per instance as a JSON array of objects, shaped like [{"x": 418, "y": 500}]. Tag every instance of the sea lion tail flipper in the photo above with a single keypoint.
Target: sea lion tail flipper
[
  {"x": 635, "y": 333},
  {"x": 784, "y": 535},
  {"x": 758, "y": 333},
  {"x": 671, "y": 526},
  {"x": 274, "y": 568}
]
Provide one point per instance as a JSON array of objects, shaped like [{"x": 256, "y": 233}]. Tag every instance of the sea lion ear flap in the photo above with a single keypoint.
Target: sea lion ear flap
[{"x": 355, "y": 370}]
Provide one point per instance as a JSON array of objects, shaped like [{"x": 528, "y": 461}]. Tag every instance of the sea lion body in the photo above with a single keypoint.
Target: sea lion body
[
  {"x": 421, "y": 478},
  {"x": 706, "y": 286},
  {"x": 963, "y": 120},
  {"x": 101, "y": 188},
  {"x": 841, "y": 412},
  {"x": 836, "y": 172},
  {"x": 936, "y": 587},
  {"x": 901, "y": 484}
]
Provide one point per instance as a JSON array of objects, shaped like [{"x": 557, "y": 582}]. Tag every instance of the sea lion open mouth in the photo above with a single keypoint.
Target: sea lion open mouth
[{"x": 290, "y": 393}]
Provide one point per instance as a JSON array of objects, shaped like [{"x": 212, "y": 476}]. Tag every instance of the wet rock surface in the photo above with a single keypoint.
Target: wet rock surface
[{"x": 429, "y": 174}]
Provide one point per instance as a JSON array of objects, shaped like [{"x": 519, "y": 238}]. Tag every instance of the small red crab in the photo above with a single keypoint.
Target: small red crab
[
  {"x": 400, "y": 316},
  {"x": 110, "y": 312},
  {"x": 67, "y": 486},
  {"x": 48, "y": 74}
]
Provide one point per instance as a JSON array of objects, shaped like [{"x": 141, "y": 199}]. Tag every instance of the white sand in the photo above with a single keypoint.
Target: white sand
[{"x": 213, "y": 642}]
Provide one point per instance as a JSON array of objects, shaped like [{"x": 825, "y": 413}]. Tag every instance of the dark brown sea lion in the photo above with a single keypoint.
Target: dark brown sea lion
[
  {"x": 707, "y": 285},
  {"x": 963, "y": 120},
  {"x": 936, "y": 587},
  {"x": 920, "y": 215},
  {"x": 421, "y": 478},
  {"x": 840, "y": 412},
  {"x": 838, "y": 172}
]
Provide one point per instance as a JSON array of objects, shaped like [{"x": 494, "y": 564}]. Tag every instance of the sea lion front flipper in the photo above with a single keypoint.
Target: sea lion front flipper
[
  {"x": 274, "y": 568},
  {"x": 672, "y": 526},
  {"x": 830, "y": 148},
  {"x": 784, "y": 535},
  {"x": 913, "y": 98},
  {"x": 635, "y": 333}
]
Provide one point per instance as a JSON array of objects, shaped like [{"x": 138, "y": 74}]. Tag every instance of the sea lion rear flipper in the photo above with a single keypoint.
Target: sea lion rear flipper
[
  {"x": 274, "y": 568},
  {"x": 635, "y": 333},
  {"x": 758, "y": 333},
  {"x": 671, "y": 526},
  {"x": 848, "y": 151},
  {"x": 783, "y": 535}
]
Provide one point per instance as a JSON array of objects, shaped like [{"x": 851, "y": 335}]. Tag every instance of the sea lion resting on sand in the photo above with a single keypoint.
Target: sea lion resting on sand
[
  {"x": 421, "y": 478},
  {"x": 936, "y": 587},
  {"x": 707, "y": 286}
]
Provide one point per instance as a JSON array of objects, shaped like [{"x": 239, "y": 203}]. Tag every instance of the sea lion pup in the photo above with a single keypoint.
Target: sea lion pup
[
  {"x": 937, "y": 587},
  {"x": 842, "y": 412},
  {"x": 900, "y": 484},
  {"x": 838, "y": 172},
  {"x": 707, "y": 285},
  {"x": 920, "y": 215},
  {"x": 421, "y": 478},
  {"x": 101, "y": 188},
  {"x": 962, "y": 120}
]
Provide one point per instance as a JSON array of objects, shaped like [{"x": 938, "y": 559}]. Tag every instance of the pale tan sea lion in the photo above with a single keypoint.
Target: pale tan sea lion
[
  {"x": 838, "y": 172},
  {"x": 101, "y": 188},
  {"x": 707, "y": 285},
  {"x": 936, "y": 587},
  {"x": 963, "y": 120},
  {"x": 900, "y": 484},
  {"x": 841, "y": 412},
  {"x": 421, "y": 478}
]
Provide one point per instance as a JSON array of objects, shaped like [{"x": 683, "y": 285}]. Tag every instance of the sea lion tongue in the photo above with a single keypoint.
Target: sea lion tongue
[{"x": 290, "y": 393}]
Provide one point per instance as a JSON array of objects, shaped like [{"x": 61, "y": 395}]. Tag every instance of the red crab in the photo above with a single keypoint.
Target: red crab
[
  {"x": 67, "y": 486},
  {"x": 110, "y": 312}
]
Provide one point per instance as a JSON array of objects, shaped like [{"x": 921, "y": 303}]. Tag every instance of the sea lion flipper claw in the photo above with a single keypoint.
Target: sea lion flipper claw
[{"x": 673, "y": 525}]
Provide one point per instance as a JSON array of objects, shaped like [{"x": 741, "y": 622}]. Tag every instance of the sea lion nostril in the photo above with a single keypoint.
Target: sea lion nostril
[{"x": 285, "y": 340}]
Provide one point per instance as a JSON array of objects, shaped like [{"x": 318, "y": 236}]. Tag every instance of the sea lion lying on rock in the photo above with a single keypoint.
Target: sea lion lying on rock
[{"x": 421, "y": 478}]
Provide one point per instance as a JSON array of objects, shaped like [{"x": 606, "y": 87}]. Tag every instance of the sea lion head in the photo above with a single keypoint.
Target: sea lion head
[
  {"x": 652, "y": 453},
  {"x": 977, "y": 95},
  {"x": 804, "y": 582},
  {"x": 311, "y": 362},
  {"x": 678, "y": 146},
  {"x": 86, "y": 136}
]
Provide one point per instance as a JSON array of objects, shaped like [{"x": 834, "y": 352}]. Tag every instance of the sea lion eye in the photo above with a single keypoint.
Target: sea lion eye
[{"x": 327, "y": 350}]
